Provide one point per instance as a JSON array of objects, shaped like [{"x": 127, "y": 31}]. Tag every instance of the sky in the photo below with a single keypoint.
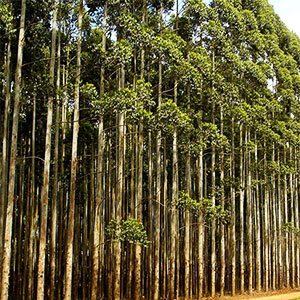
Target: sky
[{"x": 289, "y": 12}]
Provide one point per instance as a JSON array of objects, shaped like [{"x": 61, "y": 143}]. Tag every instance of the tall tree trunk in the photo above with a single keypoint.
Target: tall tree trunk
[
  {"x": 187, "y": 231},
  {"x": 242, "y": 262},
  {"x": 6, "y": 258},
  {"x": 74, "y": 163},
  {"x": 291, "y": 208},
  {"x": 175, "y": 188},
  {"x": 119, "y": 189},
  {"x": 249, "y": 212},
  {"x": 85, "y": 224},
  {"x": 222, "y": 227},
  {"x": 19, "y": 224},
  {"x": 286, "y": 220},
  {"x": 186, "y": 250},
  {"x": 279, "y": 222},
  {"x": 99, "y": 205},
  {"x": 139, "y": 202},
  {"x": 257, "y": 223},
  {"x": 266, "y": 223},
  {"x": 33, "y": 205},
  {"x": 233, "y": 217},
  {"x": 27, "y": 237},
  {"x": 173, "y": 209},
  {"x": 201, "y": 230},
  {"x": 46, "y": 176},
  {"x": 297, "y": 263},
  {"x": 213, "y": 195},
  {"x": 5, "y": 143},
  {"x": 274, "y": 223},
  {"x": 151, "y": 206},
  {"x": 156, "y": 288},
  {"x": 62, "y": 194},
  {"x": 55, "y": 182}
]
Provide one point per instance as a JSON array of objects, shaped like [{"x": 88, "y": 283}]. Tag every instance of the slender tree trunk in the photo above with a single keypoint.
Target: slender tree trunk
[
  {"x": 33, "y": 205},
  {"x": 165, "y": 223},
  {"x": 242, "y": 262},
  {"x": 19, "y": 224},
  {"x": 257, "y": 224},
  {"x": 279, "y": 222},
  {"x": 291, "y": 208},
  {"x": 27, "y": 240},
  {"x": 274, "y": 222},
  {"x": 266, "y": 223},
  {"x": 286, "y": 219},
  {"x": 233, "y": 217},
  {"x": 99, "y": 205},
  {"x": 6, "y": 258},
  {"x": 297, "y": 263},
  {"x": 5, "y": 143},
  {"x": 119, "y": 189},
  {"x": 62, "y": 194},
  {"x": 74, "y": 163},
  {"x": 187, "y": 230},
  {"x": 156, "y": 288},
  {"x": 55, "y": 182},
  {"x": 249, "y": 213},
  {"x": 46, "y": 176},
  {"x": 132, "y": 215},
  {"x": 151, "y": 208},
  {"x": 157, "y": 205},
  {"x": 175, "y": 188},
  {"x": 222, "y": 227},
  {"x": 173, "y": 209},
  {"x": 85, "y": 223},
  {"x": 201, "y": 230},
  {"x": 213, "y": 191},
  {"x": 110, "y": 214},
  {"x": 139, "y": 202}
]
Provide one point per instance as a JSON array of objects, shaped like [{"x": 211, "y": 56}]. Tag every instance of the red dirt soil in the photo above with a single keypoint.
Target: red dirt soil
[{"x": 285, "y": 294}]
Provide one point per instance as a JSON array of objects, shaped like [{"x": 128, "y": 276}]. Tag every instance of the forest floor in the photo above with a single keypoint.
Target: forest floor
[{"x": 285, "y": 294}]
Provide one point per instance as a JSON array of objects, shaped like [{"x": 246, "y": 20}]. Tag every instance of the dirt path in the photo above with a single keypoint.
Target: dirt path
[
  {"x": 287, "y": 294},
  {"x": 290, "y": 296}
]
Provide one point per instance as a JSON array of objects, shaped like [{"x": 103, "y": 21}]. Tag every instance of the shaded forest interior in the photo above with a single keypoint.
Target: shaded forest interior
[{"x": 150, "y": 149}]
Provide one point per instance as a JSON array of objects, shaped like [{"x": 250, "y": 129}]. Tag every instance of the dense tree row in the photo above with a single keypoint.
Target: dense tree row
[{"x": 150, "y": 148}]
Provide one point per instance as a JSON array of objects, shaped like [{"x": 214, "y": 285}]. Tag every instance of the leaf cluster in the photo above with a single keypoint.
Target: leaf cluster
[{"x": 130, "y": 230}]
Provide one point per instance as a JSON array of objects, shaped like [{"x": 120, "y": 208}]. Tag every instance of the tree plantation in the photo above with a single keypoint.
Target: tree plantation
[{"x": 150, "y": 149}]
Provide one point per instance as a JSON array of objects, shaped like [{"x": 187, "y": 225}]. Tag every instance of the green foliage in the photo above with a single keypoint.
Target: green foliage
[
  {"x": 210, "y": 135},
  {"x": 169, "y": 117},
  {"x": 204, "y": 206},
  {"x": 138, "y": 34},
  {"x": 122, "y": 53},
  {"x": 130, "y": 230},
  {"x": 273, "y": 167},
  {"x": 89, "y": 92},
  {"x": 135, "y": 102},
  {"x": 118, "y": 101},
  {"x": 289, "y": 227},
  {"x": 214, "y": 212},
  {"x": 186, "y": 203},
  {"x": 198, "y": 9},
  {"x": 169, "y": 46},
  {"x": 6, "y": 17}
]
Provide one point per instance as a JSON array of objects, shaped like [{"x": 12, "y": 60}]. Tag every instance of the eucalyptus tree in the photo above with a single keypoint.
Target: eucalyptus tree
[
  {"x": 7, "y": 25},
  {"x": 6, "y": 259},
  {"x": 185, "y": 164},
  {"x": 45, "y": 189},
  {"x": 74, "y": 162}
]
